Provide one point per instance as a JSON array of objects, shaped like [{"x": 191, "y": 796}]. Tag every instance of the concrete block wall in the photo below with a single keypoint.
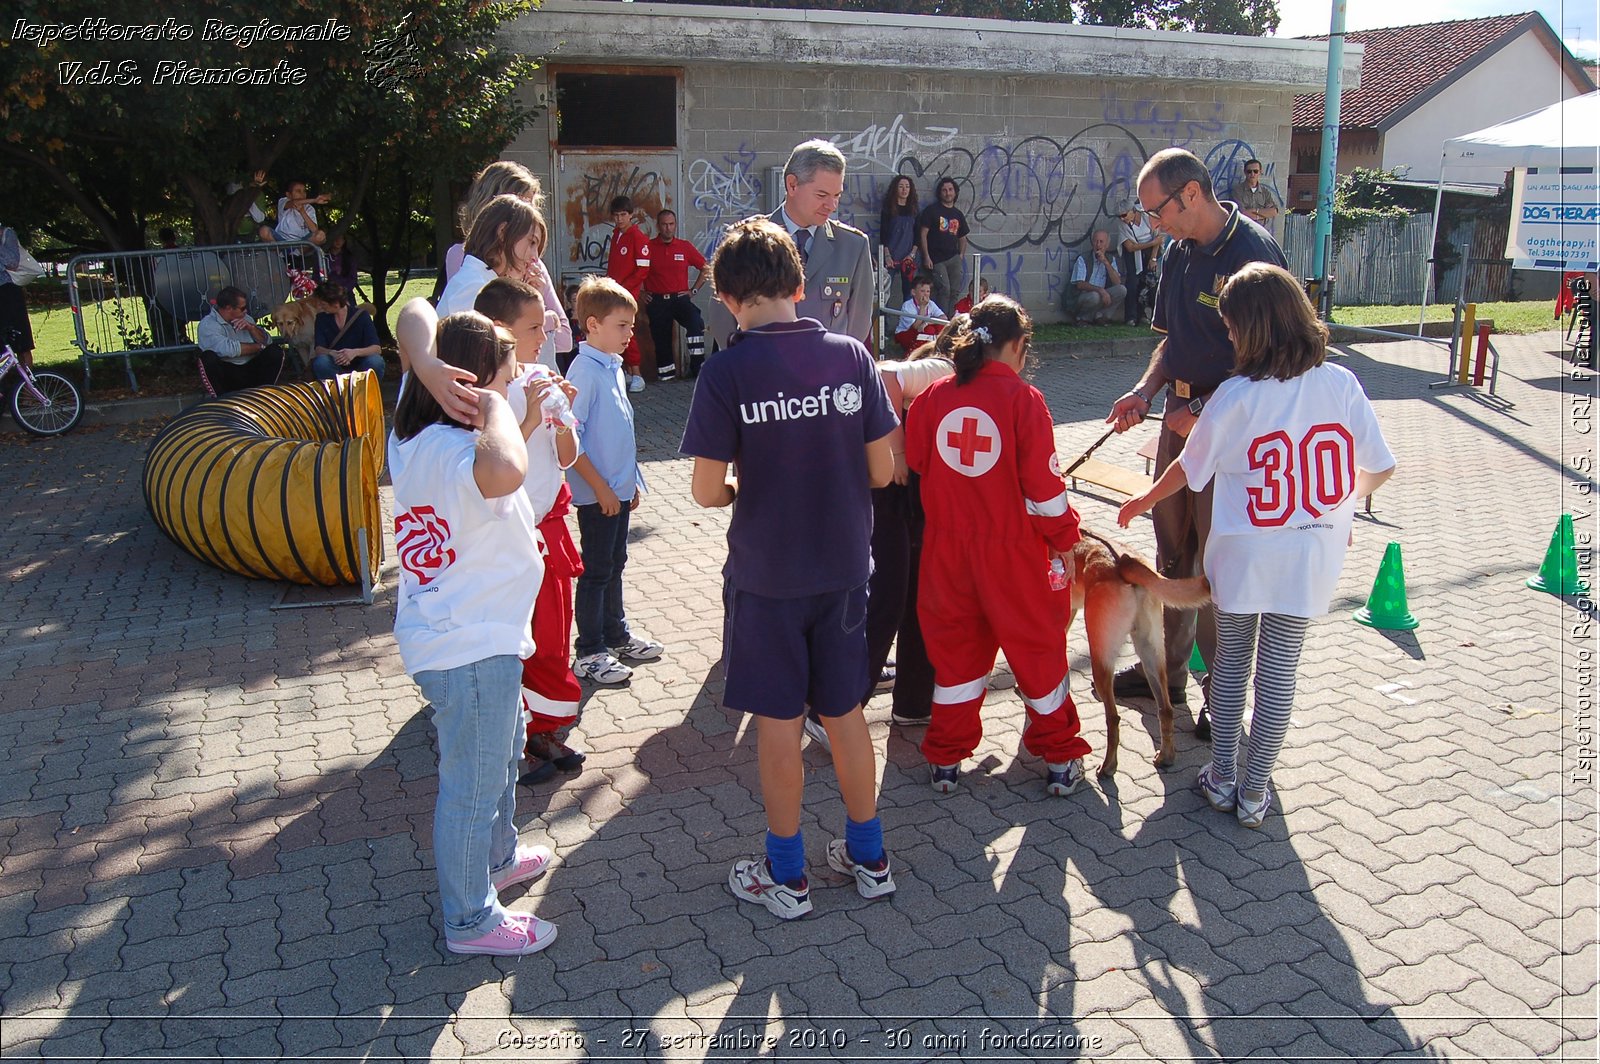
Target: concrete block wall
[{"x": 1042, "y": 161}]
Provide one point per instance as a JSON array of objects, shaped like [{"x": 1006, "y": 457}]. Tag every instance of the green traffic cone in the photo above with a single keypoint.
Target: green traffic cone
[
  {"x": 1196, "y": 662},
  {"x": 1386, "y": 606},
  {"x": 1559, "y": 573}
]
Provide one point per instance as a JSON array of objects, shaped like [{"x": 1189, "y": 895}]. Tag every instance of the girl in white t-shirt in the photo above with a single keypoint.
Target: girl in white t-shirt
[
  {"x": 504, "y": 177},
  {"x": 1293, "y": 443},
  {"x": 466, "y": 540},
  {"x": 502, "y": 243}
]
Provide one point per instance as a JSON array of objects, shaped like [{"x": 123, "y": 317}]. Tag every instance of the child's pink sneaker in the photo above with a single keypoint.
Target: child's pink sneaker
[
  {"x": 518, "y": 934},
  {"x": 531, "y": 862}
]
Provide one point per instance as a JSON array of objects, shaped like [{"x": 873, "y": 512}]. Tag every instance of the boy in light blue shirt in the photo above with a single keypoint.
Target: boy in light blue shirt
[{"x": 606, "y": 484}]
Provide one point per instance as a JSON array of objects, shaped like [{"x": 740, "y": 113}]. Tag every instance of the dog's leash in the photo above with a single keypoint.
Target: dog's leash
[
  {"x": 1095, "y": 446},
  {"x": 1116, "y": 555}
]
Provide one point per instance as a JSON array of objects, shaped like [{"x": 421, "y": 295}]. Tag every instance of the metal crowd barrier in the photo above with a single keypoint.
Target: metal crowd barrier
[{"x": 146, "y": 302}]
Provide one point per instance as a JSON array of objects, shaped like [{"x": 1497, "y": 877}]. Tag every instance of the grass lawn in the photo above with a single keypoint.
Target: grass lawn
[
  {"x": 1515, "y": 318},
  {"x": 53, "y": 336},
  {"x": 1057, "y": 332}
]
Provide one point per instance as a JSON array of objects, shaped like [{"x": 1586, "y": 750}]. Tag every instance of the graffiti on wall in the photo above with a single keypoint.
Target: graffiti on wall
[
  {"x": 589, "y": 182},
  {"x": 882, "y": 147},
  {"x": 1033, "y": 201},
  {"x": 1170, "y": 124},
  {"x": 1037, "y": 190},
  {"x": 724, "y": 191}
]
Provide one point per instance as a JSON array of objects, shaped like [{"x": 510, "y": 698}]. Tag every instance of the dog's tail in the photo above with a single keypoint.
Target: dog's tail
[{"x": 1183, "y": 594}]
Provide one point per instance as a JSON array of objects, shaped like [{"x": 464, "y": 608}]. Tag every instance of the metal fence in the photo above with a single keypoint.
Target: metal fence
[
  {"x": 146, "y": 302},
  {"x": 1382, "y": 264}
]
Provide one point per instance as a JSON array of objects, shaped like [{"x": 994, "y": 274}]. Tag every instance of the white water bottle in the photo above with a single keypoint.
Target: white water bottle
[
  {"x": 555, "y": 408},
  {"x": 1058, "y": 575}
]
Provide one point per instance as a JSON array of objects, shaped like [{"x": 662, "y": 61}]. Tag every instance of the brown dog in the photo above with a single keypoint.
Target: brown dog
[
  {"x": 1121, "y": 595},
  {"x": 297, "y": 323}
]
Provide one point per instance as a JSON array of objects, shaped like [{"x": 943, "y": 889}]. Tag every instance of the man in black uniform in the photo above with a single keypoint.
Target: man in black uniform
[{"x": 1210, "y": 242}]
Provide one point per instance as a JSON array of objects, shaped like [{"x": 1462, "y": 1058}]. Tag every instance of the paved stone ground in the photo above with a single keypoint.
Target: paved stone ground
[{"x": 215, "y": 817}]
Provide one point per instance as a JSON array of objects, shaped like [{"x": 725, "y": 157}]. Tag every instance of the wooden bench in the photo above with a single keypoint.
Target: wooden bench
[
  {"x": 1113, "y": 478},
  {"x": 1148, "y": 453}
]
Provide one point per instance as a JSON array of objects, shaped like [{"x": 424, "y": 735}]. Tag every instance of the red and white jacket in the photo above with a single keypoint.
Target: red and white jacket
[{"x": 987, "y": 456}]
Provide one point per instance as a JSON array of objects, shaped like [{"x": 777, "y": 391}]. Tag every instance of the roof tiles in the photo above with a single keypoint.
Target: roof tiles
[{"x": 1404, "y": 61}]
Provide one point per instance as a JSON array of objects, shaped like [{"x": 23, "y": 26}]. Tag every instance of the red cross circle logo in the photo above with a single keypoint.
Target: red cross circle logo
[{"x": 968, "y": 441}]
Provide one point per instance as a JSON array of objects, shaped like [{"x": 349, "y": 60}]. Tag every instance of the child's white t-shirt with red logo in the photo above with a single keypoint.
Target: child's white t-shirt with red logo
[
  {"x": 470, "y": 567},
  {"x": 1285, "y": 455}
]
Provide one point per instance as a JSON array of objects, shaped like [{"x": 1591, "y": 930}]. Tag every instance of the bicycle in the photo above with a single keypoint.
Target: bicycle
[{"x": 44, "y": 404}]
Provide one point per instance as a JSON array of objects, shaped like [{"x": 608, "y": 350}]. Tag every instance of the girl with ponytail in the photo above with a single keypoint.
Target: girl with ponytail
[{"x": 997, "y": 514}]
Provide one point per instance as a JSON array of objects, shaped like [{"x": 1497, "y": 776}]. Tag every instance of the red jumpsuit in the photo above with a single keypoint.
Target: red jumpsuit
[
  {"x": 628, "y": 264},
  {"x": 996, "y": 504},
  {"x": 550, "y": 691}
]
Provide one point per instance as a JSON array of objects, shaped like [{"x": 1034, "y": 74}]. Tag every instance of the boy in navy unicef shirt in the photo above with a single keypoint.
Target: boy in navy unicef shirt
[{"x": 803, "y": 417}]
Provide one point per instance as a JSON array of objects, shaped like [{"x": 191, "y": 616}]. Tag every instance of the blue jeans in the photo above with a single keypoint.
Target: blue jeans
[
  {"x": 477, "y": 711},
  {"x": 597, "y": 603},
  {"x": 324, "y": 368}
]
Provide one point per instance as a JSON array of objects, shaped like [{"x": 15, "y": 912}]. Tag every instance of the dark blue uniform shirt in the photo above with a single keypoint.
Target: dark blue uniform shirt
[{"x": 1192, "y": 275}]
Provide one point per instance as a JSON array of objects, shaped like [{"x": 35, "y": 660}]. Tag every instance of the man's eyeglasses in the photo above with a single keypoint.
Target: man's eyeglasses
[{"x": 1158, "y": 208}]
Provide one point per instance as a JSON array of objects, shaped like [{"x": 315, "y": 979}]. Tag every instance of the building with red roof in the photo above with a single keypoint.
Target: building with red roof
[{"x": 1421, "y": 85}]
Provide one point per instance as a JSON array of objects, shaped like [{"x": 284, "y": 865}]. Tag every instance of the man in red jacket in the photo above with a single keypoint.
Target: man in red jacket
[
  {"x": 670, "y": 298},
  {"x": 628, "y": 265}
]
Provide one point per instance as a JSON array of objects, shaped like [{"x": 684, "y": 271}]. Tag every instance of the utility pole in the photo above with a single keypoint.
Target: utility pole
[{"x": 1330, "y": 150}]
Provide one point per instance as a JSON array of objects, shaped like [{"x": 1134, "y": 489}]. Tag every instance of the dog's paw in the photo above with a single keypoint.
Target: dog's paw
[
  {"x": 1164, "y": 759},
  {"x": 1107, "y": 769}
]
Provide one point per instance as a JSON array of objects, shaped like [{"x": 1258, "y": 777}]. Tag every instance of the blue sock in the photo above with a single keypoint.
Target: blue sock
[
  {"x": 864, "y": 841},
  {"x": 787, "y": 857}
]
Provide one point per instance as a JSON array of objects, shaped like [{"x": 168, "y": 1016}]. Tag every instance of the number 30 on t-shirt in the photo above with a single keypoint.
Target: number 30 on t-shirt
[{"x": 1318, "y": 474}]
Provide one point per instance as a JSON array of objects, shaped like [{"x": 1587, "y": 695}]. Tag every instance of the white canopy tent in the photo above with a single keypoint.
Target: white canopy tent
[{"x": 1563, "y": 134}]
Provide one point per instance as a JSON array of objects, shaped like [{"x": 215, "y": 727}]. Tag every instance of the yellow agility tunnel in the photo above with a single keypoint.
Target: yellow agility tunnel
[{"x": 276, "y": 482}]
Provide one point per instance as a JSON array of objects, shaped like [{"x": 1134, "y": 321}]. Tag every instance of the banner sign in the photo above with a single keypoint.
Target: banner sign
[{"x": 1555, "y": 219}]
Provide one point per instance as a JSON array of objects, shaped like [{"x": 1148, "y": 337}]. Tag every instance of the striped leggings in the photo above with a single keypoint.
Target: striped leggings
[{"x": 1277, "y": 656}]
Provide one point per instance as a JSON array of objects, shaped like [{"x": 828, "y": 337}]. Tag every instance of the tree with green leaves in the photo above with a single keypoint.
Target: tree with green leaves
[
  {"x": 1362, "y": 196},
  {"x": 105, "y": 135}
]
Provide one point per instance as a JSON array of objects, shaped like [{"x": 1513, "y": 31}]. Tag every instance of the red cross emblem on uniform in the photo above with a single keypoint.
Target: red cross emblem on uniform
[{"x": 968, "y": 441}]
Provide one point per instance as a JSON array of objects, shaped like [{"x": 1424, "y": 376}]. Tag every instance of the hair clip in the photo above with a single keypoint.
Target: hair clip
[{"x": 982, "y": 332}]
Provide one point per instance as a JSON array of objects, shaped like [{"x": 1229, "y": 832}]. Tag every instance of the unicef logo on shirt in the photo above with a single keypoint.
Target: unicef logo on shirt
[{"x": 847, "y": 398}]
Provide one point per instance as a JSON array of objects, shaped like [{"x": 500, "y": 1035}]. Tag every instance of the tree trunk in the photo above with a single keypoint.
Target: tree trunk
[{"x": 116, "y": 235}]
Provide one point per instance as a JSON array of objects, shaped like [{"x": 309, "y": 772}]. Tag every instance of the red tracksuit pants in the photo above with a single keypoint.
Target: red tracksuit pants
[
  {"x": 980, "y": 598},
  {"x": 550, "y": 691}
]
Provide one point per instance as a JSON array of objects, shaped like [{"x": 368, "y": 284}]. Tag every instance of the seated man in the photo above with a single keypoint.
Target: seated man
[
  {"x": 669, "y": 298},
  {"x": 1097, "y": 290},
  {"x": 237, "y": 352}
]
